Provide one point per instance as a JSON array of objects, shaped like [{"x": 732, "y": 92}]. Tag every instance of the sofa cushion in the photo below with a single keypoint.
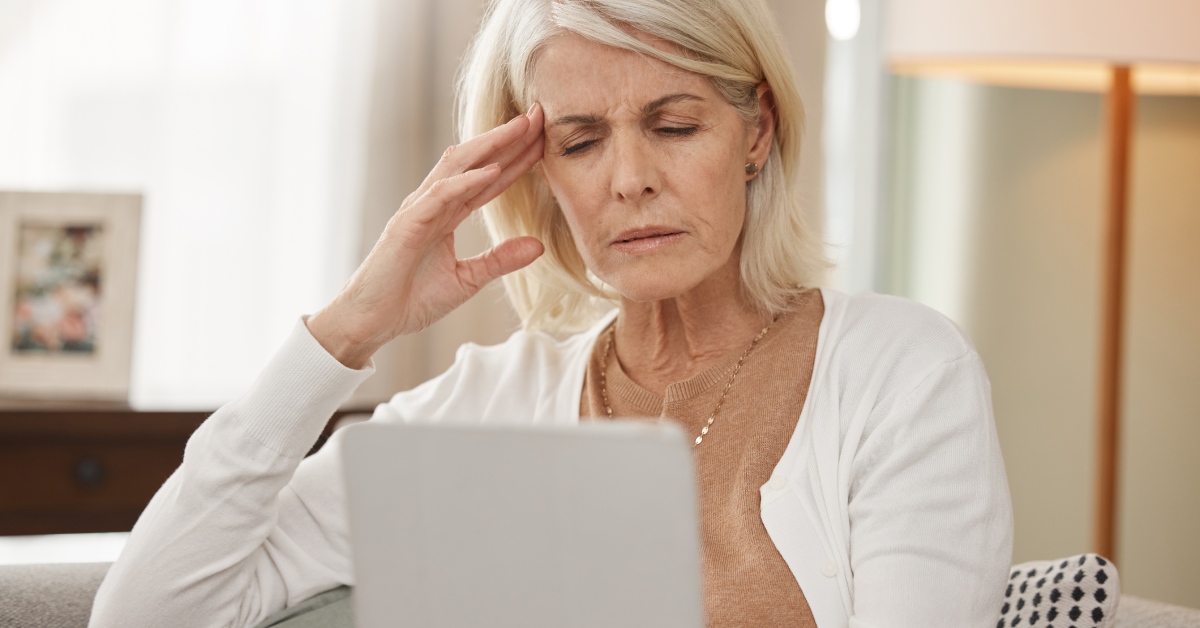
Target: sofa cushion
[
  {"x": 60, "y": 596},
  {"x": 331, "y": 609},
  {"x": 1080, "y": 591},
  {"x": 1136, "y": 612},
  {"x": 49, "y": 596}
]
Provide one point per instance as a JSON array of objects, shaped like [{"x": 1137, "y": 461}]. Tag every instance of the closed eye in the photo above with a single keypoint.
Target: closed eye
[
  {"x": 574, "y": 148},
  {"x": 672, "y": 131}
]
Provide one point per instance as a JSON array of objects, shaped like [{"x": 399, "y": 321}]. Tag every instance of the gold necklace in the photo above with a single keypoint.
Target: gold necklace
[{"x": 608, "y": 344}]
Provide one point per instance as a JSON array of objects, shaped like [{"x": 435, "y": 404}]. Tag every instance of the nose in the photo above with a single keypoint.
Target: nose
[{"x": 635, "y": 176}]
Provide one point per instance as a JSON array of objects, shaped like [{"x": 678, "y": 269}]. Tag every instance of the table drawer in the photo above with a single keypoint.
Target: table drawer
[
  {"x": 87, "y": 470},
  {"x": 80, "y": 476}
]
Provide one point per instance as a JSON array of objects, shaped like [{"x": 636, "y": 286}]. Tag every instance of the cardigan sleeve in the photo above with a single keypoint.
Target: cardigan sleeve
[
  {"x": 226, "y": 540},
  {"x": 930, "y": 516}
]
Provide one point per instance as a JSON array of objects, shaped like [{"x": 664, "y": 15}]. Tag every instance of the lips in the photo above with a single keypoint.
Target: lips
[
  {"x": 643, "y": 233},
  {"x": 645, "y": 239}
]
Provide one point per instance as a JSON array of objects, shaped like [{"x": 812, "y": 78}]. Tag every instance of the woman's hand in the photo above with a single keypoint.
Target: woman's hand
[{"x": 412, "y": 277}]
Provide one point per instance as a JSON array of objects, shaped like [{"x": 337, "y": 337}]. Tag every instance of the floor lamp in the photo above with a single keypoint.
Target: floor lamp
[{"x": 1118, "y": 47}]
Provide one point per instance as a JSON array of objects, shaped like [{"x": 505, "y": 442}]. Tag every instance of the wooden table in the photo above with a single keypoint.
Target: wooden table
[{"x": 85, "y": 468}]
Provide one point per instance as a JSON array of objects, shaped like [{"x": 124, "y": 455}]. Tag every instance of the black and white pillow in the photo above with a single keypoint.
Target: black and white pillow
[{"x": 1076, "y": 592}]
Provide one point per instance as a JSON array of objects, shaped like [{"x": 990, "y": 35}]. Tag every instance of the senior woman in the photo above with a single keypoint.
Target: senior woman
[{"x": 848, "y": 466}]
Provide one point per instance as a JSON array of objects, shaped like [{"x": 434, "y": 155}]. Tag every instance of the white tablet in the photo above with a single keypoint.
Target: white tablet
[{"x": 594, "y": 525}]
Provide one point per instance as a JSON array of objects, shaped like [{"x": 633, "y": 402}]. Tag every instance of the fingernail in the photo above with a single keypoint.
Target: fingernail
[
  {"x": 492, "y": 166},
  {"x": 529, "y": 111}
]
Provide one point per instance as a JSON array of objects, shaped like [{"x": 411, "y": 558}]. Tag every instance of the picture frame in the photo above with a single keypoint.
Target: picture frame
[{"x": 68, "y": 273}]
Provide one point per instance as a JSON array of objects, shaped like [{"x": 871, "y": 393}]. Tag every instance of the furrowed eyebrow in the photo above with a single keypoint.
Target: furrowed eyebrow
[
  {"x": 581, "y": 119},
  {"x": 655, "y": 105},
  {"x": 648, "y": 109}
]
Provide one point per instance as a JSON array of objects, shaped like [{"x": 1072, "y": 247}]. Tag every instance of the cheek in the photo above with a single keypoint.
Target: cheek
[
  {"x": 563, "y": 185},
  {"x": 576, "y": 198},
  {"x": 709, "y": 180}
]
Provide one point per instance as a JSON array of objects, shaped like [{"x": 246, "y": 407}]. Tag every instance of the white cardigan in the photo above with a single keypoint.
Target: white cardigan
[{"x": 890, "y": 503}]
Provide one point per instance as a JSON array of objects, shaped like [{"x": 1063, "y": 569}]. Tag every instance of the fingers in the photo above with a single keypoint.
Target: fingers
[
  {"x": 500, "y": 145},
  {"x": 476, "y": 272},
  {"x": 451, "y": 194},
  {"x": 507, "y": 154},
  {"x": 508, "y": 175},
  {"x": 448, "y": 196}
]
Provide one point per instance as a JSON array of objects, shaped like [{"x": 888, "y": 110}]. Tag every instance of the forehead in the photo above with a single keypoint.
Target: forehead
[{"x": 574, "y": 74}]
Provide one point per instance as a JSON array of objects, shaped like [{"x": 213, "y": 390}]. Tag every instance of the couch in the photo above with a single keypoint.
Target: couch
[{"x": 60, "y": 596}]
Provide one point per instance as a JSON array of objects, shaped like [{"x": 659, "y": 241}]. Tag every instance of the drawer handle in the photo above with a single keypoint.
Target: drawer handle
[{"x": 90, "y": 473}]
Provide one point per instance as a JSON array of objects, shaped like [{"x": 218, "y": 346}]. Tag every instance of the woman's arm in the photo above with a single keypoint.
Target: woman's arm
[
  {"x": 930, "y": 516},
  {"x": 226, "y": 542},
  {"x": 223, "y": 542}
]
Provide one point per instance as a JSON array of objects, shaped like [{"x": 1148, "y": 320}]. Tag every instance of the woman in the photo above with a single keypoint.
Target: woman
[{"x": 848, "y": 466}]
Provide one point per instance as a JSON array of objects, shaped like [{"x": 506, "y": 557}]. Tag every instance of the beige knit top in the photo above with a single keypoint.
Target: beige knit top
[{"x": 746, "y": 581}]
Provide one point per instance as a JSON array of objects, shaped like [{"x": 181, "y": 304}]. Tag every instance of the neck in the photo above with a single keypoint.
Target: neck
[{"x": 659, "y": 343}]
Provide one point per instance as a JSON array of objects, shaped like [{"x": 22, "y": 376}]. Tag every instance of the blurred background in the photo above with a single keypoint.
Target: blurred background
[{"x": 272, "y": 140}]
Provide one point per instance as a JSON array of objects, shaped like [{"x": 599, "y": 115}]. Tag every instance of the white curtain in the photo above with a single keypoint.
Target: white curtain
[{"x": 242, "y": 123}]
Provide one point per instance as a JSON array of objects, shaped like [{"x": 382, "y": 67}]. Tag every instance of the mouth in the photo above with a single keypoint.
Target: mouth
[{"x": 646, "y": 238}]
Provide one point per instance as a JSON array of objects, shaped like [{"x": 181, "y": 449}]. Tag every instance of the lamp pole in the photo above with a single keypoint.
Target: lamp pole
[{"x": 1120, "y": 105}]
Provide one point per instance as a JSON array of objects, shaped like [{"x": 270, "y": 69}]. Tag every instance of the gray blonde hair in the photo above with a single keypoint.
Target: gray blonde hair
[{"x": 736, "y": 45}]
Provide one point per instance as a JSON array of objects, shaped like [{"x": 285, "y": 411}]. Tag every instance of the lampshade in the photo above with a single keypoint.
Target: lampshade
[{"x": 1058, "y": 44}]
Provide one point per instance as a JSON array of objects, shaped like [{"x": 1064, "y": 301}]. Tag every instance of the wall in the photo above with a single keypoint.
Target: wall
[
  {"x": 1160, "y": 474},
  {"x": 997, "y": 205},
  {"x": 857, "y": 100}
]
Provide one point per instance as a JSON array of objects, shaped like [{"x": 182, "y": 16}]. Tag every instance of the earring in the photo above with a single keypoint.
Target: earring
[{"x": 751, "y": 168}]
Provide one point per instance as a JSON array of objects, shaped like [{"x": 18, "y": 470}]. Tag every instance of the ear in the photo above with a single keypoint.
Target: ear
[{"x": 764, "y": 131}]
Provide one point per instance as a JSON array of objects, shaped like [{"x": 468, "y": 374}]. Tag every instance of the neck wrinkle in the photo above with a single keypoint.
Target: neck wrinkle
[{"x": 659, "y": 343}]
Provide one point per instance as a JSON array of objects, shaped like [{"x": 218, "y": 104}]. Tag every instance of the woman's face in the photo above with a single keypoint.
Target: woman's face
[{"x": 647, "y": 162}]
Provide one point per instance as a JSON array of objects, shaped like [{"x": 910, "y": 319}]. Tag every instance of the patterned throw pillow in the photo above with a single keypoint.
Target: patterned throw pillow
[{"x": 1076, "y": 592}]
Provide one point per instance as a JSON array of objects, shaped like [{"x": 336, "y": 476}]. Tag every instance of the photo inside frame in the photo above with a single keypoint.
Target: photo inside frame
[{"x": 57, "y": 303}]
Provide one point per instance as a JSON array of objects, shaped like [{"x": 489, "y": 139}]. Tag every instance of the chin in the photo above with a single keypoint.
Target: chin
[
  {"x": 656, "y": 277},
  {"x": 647, "y": 287}
]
